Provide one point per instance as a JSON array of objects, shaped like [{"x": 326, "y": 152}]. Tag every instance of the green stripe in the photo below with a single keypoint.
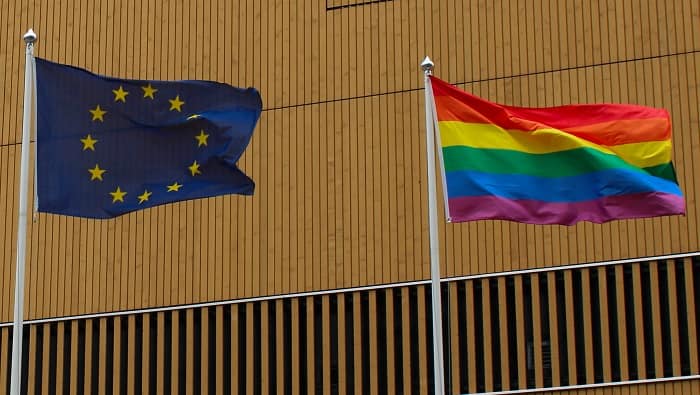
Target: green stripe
[
  {"x": 555, "y": 164},
  {"x": 665, "y": 171}
]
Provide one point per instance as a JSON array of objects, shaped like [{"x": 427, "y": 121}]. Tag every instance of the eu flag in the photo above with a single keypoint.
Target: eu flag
[{"x": 108, "y": 146}]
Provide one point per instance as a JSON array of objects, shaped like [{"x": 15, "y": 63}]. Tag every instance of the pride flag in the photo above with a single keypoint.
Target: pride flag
[{"x": 558, "y": 165}]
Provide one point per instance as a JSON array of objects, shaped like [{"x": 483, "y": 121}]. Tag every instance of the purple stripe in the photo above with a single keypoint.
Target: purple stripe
[{"x": 638, "y": 205}]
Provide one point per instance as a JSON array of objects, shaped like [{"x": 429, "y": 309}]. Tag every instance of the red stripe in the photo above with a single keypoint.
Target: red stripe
[{"x": 604, "y": 124}]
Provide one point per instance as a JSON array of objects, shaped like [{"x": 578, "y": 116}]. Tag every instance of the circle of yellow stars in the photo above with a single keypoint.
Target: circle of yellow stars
[{"x": 98, "y": 114}]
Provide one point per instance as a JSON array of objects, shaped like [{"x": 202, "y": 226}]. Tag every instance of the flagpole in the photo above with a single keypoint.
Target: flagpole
[
  {"x": 27, "y": 122},
  {"x": 438, "y": 368}
]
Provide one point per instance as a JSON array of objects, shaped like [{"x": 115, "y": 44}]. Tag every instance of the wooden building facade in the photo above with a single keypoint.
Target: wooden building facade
[{"x": 317, "y": 283}]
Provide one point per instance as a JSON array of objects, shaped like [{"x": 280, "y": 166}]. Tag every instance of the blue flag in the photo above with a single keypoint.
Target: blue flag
[{"x": 108, "y": 146}]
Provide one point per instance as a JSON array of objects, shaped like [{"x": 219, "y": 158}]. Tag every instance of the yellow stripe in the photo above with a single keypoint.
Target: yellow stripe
[
  {"x": 543, "y": 141},
  {"x": 650, "y": 153}
]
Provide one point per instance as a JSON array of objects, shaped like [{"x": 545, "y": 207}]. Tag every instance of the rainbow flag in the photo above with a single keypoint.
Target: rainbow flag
[{"x": 558, "y": 165}]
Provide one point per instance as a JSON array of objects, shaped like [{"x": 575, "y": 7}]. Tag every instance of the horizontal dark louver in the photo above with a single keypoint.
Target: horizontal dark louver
[{"x": 568, "y": 327}]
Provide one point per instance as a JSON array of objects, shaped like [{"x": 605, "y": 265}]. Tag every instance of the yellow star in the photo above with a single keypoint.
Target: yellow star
[
  {"x": 148, "y": 91},
  {"x": 98, "y": 113},
  {"x": 194, "y": 116},
  {"x": 88, "y": 143},
  {"x": 144, "y": 197},
  {"x": 118, "y": 195},
  {"x": 175, "y": 187},
  {"x": 96, "y": 173},
  {"x": 176, "y": 103},
  {"x": 194, "y": 169},
  {"x": 201, "y": 138},
  {"x": 120, "y": 94}
]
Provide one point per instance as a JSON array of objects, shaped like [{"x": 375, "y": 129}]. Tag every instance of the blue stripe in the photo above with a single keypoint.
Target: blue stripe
[{"x": 590, "y": 186}]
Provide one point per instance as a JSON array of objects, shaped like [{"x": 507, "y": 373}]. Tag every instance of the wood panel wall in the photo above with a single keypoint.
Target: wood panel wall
[
  {"x": 338, "y": 155},
  {"x": 563, "y": 328}
]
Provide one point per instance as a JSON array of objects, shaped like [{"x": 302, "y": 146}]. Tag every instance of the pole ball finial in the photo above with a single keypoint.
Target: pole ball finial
[
  {"x": 29, "y": 37},
  {"x": 427, "y": 65}
]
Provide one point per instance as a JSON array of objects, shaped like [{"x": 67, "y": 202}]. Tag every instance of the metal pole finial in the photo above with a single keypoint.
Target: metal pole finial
[
  {"x": 29, "y": 37},
  {"x": 427, "y": 66}
]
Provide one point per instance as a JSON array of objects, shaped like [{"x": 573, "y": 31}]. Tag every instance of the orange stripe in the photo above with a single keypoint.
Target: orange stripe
[{"x": 624, "y": 131}]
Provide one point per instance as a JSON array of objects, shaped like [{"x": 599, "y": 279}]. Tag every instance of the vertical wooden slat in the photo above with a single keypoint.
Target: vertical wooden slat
[
  {"x": 264, "y": 346},
  {"x": 405, "y": 330},
  {"x": 639, "y": 322},
  {"x": 188, "y": 316},
  {"x": 31, "y": 371},
  {"x": 146, "y": 357},
  {"x": 520, "y": 333},
  {"x": 325, "y": 203},
  {"x": 235, "y": 362},
  {"x": 89, "y": 377},
  {"x": 281, "y": 353},
  {"x": 357, "y": 339},
  {"x": 372, "y": 188},
  {"x": 622, "y": 323},
  {"x": 587, "y": 323},
  {"x": 604, "y": 322},
  {"x": 692, "y": 318},
  {"x": 116, "y": 356},
  {"x": 310, "y": 346},
  {"x": 325, "y": 341},
  {"x": 373, "y": 346},
  {"x": 571, "y": 332},
  {"x": 73, "y": 355},
  {"x": 423, "y": 321},
  {"x": 553, "y": 329},
  {"x": 295, "y": 346},
  {"x": 673, "y": 318},
  {"x": 45, "y": 362},
  {"x": 656, "y": 318},
  {"x": 131, "y": 351},
  {"x": 160, "y": 352},
  {"x": 345, "y": 141},
  {"x": 342, "y": 350},
  {"x": 454, "y": 338},
  {"x": 486, "y": 322},
  {"x": 218, "y": 342},
  {"x": 102, "y": 355},
  {"x": 471, "y": 362},
  {"x": 176, "y": 352},
  {"x": 198, "y": 379},
  {"x": 537, "y": 332}
]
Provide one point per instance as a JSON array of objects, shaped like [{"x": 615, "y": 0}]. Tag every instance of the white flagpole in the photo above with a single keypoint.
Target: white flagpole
[
  {"x": 438, "y": 368},
  {"x": 27, "y": 123}
]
